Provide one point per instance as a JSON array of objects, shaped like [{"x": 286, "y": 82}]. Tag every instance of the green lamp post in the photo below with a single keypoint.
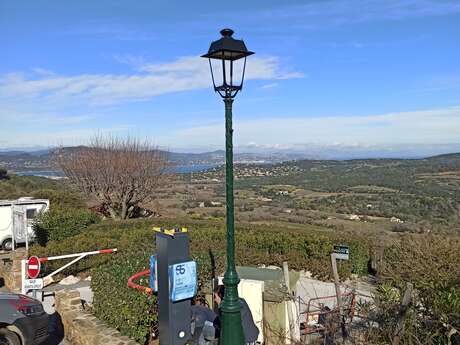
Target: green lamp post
[{"x": 227, "y": 61}]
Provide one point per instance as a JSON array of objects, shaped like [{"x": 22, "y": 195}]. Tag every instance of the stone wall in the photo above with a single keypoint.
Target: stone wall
[
  {"x": 81, "y": 327},
  {"x": 10, "y": 269}
]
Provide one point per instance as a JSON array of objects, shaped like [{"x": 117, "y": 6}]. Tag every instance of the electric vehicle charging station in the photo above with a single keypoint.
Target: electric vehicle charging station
[
  {"x": 173, "y": 277},
  {"x": 177, "y": 285}
]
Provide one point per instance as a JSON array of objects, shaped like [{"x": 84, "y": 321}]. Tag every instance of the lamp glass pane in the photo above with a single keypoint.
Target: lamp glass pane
[
  {"x": 228, "y": 73},
  {"x": 238, "y": 66},
  {"x": 217, "y": 72}
]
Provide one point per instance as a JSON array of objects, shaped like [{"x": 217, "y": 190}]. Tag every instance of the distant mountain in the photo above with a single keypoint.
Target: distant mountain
[
  {"x": 41, "y": 160},
  {"x": 18, "y": 160}
]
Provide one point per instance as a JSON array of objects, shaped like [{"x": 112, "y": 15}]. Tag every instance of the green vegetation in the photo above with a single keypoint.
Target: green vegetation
[
  {"x": 306, "y": 249},
  {"x": 3, "y": 173},
  {"x": 59, "y": 223},
  {"x": 431, "y": 264},
  {"x": 18, "y": 186},
  {"x": 57, "y": 192},
  {"x": 424, "y": 191},
  {"x": 132, "y": 313},
  {"x": 129, "y": 310},
  {"x": 296, "y": 216}
]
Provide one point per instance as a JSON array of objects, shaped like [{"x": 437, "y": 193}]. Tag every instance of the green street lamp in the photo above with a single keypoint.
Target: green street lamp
[{"x": 227, "y": 61}]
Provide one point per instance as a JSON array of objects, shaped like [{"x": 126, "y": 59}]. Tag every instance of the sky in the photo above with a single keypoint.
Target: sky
[{"x": 351, "y": 73}]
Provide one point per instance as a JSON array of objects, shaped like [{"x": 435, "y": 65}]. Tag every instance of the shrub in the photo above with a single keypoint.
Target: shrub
[
  {"x": 130, "y": 311},
  {"x": 102, "y": 235},
  {"x": 307, "y": 249},
  {"x": 60, "y": 223},
  {"x": 3, "y": 174},
  {"x": 431, "y": 264}
]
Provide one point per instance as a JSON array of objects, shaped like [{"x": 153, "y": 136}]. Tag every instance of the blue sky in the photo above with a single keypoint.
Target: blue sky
[{"x": 326, "y": 73}]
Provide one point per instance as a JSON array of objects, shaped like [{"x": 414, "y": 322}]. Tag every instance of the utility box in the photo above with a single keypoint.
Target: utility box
[{"x": 177, "y": 284}]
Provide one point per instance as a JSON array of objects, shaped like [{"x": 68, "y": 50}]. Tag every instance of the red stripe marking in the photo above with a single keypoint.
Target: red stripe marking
[
  {"x": 105, "y": 251},
  {"x": 43, "y": 259}
]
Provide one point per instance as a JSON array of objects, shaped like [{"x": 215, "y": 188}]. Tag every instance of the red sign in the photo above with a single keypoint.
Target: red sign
[{"x": 33, "y": 267}]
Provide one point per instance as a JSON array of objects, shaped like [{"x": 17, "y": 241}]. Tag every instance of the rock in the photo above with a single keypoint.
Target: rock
[{"x": 70, "y": 280}]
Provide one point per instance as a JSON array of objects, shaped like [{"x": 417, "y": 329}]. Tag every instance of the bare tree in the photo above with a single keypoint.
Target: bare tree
[{"x": 120, "y": 173}]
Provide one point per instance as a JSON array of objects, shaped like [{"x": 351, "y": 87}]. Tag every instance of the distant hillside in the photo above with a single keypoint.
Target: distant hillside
[
  {"x": 414, "y": 190},
  {"x": 41, "y": 160}
]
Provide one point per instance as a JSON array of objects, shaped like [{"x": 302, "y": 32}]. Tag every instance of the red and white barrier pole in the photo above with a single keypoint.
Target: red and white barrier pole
[
  {"x": 49, "y": 278},
  {"x": 103, "y": 251}
]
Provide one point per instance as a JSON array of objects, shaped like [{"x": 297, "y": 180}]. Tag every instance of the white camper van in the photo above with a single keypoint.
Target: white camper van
[{"x": 16, "y": 218}]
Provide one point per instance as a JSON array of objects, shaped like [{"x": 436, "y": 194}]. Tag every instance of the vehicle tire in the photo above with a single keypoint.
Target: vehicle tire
[
  {"x": 8, "y": 338},
  {"x": 7, "y": 244}
]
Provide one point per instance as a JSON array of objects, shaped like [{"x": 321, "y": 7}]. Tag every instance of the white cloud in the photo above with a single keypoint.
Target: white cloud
[
  {"x": 42, "y": 71},
  {"x": 186, "y": 73},
  {"x": 436, "y": 126},
  {"x": 269, "y": 86},
  {"x": 22, "y": 118},
  {"x": 326, "y": 14},
  {"x": 50, "y": 138}
]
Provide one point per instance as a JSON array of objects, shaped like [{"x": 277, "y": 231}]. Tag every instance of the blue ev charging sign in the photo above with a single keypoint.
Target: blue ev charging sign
[
  {"x": 182, "y": 281},
  {"x": 154, "y": 273}
]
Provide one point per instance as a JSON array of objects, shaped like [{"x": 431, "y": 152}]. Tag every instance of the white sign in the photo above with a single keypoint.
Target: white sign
[
  {"x": 33, "y": 284},
  {"x": 342, "y": 252},
  {"x": 182, "y": 281}
]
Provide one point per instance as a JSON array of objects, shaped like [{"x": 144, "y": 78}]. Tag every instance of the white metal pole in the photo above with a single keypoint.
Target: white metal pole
[
  {"x": 23, "y": 276},
  {"x": 27, "y": 238},
  {"x": 12, "y": 228}
]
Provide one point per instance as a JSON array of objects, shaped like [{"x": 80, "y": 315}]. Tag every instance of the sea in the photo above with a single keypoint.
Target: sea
[{"x": 180, "y": 169}]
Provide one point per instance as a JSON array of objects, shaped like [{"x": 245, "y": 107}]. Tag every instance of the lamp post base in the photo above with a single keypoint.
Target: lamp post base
[
  {"x": 231, "y": 326},
  {"x": 231, "y": 329}
]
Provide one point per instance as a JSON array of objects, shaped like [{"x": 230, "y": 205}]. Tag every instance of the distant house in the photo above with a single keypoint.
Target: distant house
[
  {"x": 264, "y": 199},
  {"x": 396, "y": 220},
  {"x": 282, "y": 192}
]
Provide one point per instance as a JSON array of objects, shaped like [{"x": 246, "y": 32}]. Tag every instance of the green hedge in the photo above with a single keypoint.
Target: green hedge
[
  {"x": 131, "y": 312},
  {"x": 60, "y": 223},
  {"x": 431, "y": 264},
  {"x": 306, "y": 249},
  {"x": 104, "y": 235},
  {"x": 126, "y": 309}
]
